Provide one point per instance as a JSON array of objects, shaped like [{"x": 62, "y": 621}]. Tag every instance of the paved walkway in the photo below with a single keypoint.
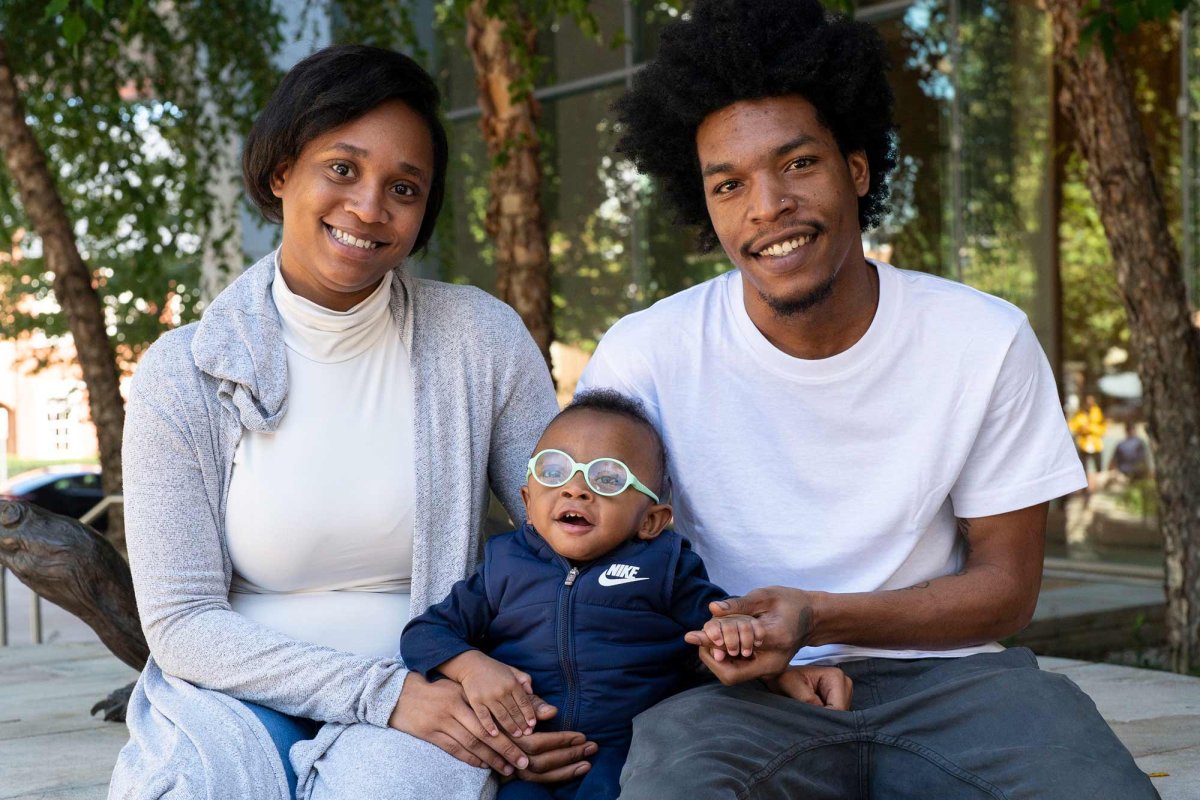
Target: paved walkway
[{"x": 50, "y": 749}]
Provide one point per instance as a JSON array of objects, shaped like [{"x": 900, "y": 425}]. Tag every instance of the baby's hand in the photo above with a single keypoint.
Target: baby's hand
[
  {"x": 735, "y": 635},
  {"x": 495, "y": 691}
]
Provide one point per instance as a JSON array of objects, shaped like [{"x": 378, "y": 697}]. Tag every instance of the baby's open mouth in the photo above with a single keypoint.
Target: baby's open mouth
[{"x": 573, "y": 518}]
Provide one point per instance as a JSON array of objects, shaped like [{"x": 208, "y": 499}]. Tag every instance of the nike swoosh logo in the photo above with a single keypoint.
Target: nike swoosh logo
[{"x": 605, "y": 580}]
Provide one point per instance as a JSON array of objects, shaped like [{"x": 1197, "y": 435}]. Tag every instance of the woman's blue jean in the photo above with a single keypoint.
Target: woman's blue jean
[
  {"x": 600, "y": 783},
  {"x": 285, "y": 731}
]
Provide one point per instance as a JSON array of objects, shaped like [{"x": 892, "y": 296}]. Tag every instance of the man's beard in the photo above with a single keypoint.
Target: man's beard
[{"x": 794, "y": 306}]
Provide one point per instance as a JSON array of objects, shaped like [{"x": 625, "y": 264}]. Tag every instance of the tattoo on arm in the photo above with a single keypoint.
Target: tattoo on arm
[
  {"x": 806, "y": 624},
  {"x": 921, "y": 585},
  {"x": 964, "y": 530}
]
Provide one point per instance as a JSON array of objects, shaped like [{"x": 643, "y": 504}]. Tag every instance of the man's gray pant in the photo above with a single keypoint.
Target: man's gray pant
[{"x": 984, "y": 726}]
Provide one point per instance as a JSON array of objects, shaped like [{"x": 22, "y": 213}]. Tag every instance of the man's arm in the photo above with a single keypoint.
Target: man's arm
[{"x": 992, "y": 597}]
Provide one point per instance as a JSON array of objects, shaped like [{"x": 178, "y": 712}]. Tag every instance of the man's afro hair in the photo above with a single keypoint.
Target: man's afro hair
[{"x": 726, "y": 51}]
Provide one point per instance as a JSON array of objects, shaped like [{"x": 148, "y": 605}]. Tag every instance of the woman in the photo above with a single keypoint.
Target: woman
[{"x": 317, "y": 447}]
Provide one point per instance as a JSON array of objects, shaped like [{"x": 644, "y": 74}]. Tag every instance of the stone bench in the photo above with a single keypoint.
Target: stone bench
[{"x": 52, "y": 750}]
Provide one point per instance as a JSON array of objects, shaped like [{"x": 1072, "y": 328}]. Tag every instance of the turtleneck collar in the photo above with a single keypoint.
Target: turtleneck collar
[{"x": 327, "y": 336}]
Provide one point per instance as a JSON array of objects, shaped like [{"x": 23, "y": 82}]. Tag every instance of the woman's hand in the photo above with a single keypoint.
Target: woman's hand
[{"x": 438, "y": 713}]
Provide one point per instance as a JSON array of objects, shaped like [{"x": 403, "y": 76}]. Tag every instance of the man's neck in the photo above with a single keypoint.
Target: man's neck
[{"x": 828, "y": 328}]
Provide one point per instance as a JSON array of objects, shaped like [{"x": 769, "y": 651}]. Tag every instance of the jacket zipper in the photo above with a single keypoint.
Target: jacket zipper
[{"x": 566, "y": 648}]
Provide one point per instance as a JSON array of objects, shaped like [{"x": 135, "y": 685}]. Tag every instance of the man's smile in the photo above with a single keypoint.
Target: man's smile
[
  {"x": 781, "y": 242},
  {"x": 783, "y": 248}
]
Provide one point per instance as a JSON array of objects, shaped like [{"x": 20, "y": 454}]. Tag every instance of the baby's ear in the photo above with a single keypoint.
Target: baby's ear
[{"x": 654, "y": 521}]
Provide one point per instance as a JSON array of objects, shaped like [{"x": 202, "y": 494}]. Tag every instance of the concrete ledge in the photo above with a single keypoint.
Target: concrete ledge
[
  {"x": 1156, "y": 715},
  {"x": 50, "y": 748}
]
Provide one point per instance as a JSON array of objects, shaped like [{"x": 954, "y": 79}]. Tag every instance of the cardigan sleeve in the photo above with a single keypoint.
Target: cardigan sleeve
[
  {"x": 172, "y": 507},
  {"x": 457, "y": 624},
  {"x": 525, "y": 407}
]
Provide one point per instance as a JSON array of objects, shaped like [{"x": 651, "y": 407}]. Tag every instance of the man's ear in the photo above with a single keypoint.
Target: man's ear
[
  {"x": 525, "y": 499},
  {"x": 279, "y": 176},
  {"x": 860, "y": 171},
  {"x": 654, "y": 521}
]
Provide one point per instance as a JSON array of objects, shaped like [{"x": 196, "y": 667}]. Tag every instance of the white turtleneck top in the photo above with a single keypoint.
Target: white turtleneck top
[{"x": 319, "y": 520}]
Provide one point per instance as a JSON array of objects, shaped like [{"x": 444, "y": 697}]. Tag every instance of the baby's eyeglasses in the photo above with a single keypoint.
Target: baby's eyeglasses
[{"x": 605, "y": 476}]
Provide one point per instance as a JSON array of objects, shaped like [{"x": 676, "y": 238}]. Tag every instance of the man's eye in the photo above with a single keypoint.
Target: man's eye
[
  {"x": 404, "y": 190},
  {"x": 725, "y": 187},
  {"x": 552, "y": 474},
  {"x": 801, "y": 163},
  {"x": 610, "y": 480}
]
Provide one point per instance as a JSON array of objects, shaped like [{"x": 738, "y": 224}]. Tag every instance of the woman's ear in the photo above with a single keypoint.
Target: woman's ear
[
  {"x": 654, "y": 521},
  {"x": 279, "y": 176}
]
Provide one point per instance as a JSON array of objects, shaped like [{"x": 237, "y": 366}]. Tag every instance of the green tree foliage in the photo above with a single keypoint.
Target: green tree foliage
[
  {"x": 1107, "y": 19},
  {"x": 133, "y": 103},
  {"x": 1093, "y": 314},
  {"x": 1094, "y": 319}
]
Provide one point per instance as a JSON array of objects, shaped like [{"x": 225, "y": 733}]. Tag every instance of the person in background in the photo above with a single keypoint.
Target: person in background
[
  {"x": 1130, "y": 458},
  {"x": 1088, "y": 426}
]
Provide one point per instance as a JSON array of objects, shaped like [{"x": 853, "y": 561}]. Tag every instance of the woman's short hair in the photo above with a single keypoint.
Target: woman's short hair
[{"x": 328, "y": 89}]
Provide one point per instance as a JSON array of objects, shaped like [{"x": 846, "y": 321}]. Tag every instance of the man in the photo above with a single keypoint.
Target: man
[{"x": 877, "y": 446}]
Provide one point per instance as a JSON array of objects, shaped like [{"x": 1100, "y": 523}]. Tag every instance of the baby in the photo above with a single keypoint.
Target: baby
[{"x": 587, "y": 603}]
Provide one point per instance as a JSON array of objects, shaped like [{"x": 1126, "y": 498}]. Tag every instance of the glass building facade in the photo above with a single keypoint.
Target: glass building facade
[{"x": 987, "y": 191}]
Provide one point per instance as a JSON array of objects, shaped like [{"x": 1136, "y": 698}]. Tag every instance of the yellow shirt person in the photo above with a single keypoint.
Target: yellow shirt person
[{"x": 1088, "y": 426}]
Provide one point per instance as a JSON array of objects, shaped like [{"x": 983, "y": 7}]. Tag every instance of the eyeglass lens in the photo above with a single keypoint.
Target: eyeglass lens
[{"x": 605, "y": 476}]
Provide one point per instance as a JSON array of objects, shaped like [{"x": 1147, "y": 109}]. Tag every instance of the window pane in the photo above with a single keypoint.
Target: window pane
[
  {"x": 917, "y": 233},
  {"x": 573, "y": 55}
]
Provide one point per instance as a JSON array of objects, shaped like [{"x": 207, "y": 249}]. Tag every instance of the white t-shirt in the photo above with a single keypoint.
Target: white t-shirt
[
  {"x": 320, "y": 515},
  {"x": 844, "y": 474}
]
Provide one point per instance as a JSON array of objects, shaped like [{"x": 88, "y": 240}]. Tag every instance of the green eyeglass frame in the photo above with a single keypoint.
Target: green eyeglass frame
[{"x": 630, "y": 479}]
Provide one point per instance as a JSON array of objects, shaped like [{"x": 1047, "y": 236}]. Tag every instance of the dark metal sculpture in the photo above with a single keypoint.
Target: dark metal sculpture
[{"x": 72, "y": 566}]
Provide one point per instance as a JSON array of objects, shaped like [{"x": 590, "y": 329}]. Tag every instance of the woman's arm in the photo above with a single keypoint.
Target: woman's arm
[{"x": 173, "y": 475}]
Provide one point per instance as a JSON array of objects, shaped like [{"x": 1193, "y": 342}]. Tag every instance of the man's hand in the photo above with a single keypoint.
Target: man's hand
[
  {"x": 498, "y": 694},
  {"x": 783, "y": 616},
  {"x": 439, "y": 714},
  {"x": 827, "y": 687},
  {"x": 736, "y": 634}
]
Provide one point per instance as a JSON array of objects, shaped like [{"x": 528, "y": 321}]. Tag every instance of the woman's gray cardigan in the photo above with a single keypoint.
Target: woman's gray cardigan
[{"x": 482, "y": 397}]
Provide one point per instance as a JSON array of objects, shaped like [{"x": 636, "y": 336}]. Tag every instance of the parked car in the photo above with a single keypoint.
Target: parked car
[{"x": 71, "y": 490}]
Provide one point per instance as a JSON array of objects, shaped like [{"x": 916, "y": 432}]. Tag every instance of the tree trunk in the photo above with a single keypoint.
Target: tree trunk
[
  {"x": 510, "y": 129},
  {"x": 1098, "y": 97},
  {"x": 72, "y": 283}
]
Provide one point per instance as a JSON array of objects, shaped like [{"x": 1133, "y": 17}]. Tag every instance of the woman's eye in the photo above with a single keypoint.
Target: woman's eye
[
  {"x": 404, "y": 190},
  {"x": 341, "y": 169},
  {"x": 725, "y": 187}
]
